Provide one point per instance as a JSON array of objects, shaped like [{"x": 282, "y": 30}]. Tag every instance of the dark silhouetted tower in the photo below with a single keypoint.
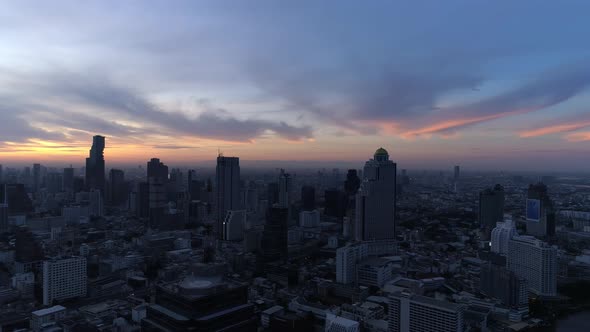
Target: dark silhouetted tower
[
  {"x": 157, "y": 173},
  {"x": 352, "y": 183},
  {"x": 227, "y": 187},
  {"x": 308, "y": 198},
  {"x": 491, "y": 209},
  {"x": 540, "y": 214},
  {"x": 95, "y": 169}
]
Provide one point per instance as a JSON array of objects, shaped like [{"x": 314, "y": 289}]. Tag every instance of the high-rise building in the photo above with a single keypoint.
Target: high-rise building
[
  {"x": 233, "y": 225},
  {"x": 307, "y": 198},
  {"x": 501, "y": 236},
  {"x": 117, "y": 188},
  {"x": 335, "y": 203},
  {"x": 347, "y": 258},
  {"x": 491, "y": 209},
  {"x": 15, "y": 195},
  {"x": 157, "y": 177},
  {"x": 274, "y": 241},
  {"x": 498, "y": 282},
  {"x": 68, "y": 179},
  {"x": 340, "y": 324},
  {"x": 540, "y": 215},
  {"x": 376, "y": 199},
  {"x": 96, "y": 207},
  {"x": 416, "y": 313},
  {"x": 36, "y": 178},
  {"x": 142, "y": 200},
  {"x": 285, "y": 189},
  {"x": 54, "y": 182},
  {"x": 227, "y": 187},
  {"x": 3, "y": 217},
  {"x": 352, "y": 183},
  {"x": 95, "y": 166},
  {"x": 536, "y": 262},
  {"x": 1, "y": 174},
  {"x": 64, "y": 278},
  {"x": 273, "y": 193}
]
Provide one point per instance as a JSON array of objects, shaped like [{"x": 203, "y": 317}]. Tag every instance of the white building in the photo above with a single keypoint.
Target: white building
[
  {"x": 415, "y": 313},
  {"x": 346, "y": 262},
  {"x": 47, "y": 316},
  {"x": 374, "y": 271},
  {"x": 309, "y": 218},
  {"x": 340, "y": 324},
  {"x": 536, "y": 262},
  {"x": 64, "y": 278},
  {"x": 375, "y": 200},
  {"x": 501, "y": 236},
  {"x": 233, "y": 225}
]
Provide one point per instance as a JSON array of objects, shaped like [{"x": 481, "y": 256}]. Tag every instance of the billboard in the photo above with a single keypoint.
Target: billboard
[{"x": 533, "y": 210}]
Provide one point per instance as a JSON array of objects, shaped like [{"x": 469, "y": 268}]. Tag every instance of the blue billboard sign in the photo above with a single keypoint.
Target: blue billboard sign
[{"x": 533, "y": 210}]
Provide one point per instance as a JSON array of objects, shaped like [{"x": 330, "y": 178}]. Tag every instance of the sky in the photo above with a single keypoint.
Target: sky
[{"x": 495, "y": 85}]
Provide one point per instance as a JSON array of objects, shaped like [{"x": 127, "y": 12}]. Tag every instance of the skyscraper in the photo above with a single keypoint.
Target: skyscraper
[
  {"x": 540, "y": 215},
  {"x": 376, "y": 199},
  {"x": 36, "y": 178},
  {"x": 501, "y": 236},
  {"x": 95, "y": 169},
  {"x": 456, "y": 173},
  {"x": 157, "y": 173},
  {"x": 274, "y": 238},
  {"x": 491, "y": 209},
  {"x": 227, "y": 187}
]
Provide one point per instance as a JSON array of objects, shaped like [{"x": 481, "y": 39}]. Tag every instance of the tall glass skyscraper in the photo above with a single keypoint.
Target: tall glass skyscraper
[{"x": 376, "y": 199}]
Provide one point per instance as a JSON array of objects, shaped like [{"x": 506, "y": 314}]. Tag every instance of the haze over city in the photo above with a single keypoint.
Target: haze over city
[{"x": 488, "y": 85}]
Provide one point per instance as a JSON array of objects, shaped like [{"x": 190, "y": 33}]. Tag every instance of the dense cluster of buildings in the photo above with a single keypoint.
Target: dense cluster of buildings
[{"x": 156, "y": 248}]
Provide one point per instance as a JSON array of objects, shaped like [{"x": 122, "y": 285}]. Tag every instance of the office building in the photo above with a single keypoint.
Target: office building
[
  {"x": 504, "y": 285},
  {"x": 501, "y": 236},
  {"x": 540, "y": 215},
  {"x": 340, "y": 324},
  {"x": 335, "y": 203},
  {"x": 157, "y": 177},
  {"x": 64, "y": 278},
  {"x": 233, "y": 225},
  {"x": 95, "y": 165},
  {"x": 274, "y": 241},
  {"x": 117, "y": 187},
  {"x": 415, "y": 313},
  {"x": 142, "y": 200},
  {"x": 491, "y": 209},
  {"x": 456, "y": 173},
  {"x": 96, "y": 203},
  {"x": 227, "y": 188},
  {"x": 54, "y": 182},
  {"x": 15, "y": 195},
  {"x": 376, "y": 199},
  {"x": 536, "y": 262},
  {"x": 308, "y": 198},
  {"x": 3, "y": 217},
  {"x": 347, "y": 258}
]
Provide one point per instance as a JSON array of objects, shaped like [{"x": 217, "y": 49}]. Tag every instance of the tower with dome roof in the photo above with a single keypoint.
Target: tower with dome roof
[{"x": 376, "y": 199}]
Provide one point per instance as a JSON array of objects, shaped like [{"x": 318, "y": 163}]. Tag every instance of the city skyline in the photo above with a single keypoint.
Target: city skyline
[{"x": 320, "y": 83}]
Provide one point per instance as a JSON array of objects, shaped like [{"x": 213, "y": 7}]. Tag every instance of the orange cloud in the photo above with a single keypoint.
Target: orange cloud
[
  {"x": 560, "y": 128},
  {"x": 445, "y": 126},
  {"x": 578, "y": 137}
]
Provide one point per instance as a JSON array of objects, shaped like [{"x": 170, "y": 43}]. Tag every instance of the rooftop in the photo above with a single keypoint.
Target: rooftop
[{"x": 48, "y": 311}]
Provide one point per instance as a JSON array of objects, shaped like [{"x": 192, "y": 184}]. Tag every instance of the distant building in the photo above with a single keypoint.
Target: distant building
[
  {"x": 117, "y": 188},
  {"x": 36, "y": 178},
  {"x": 95, "y": 165},
  {"x": 64, "y": 278},
  {"x": 491, "y": 209},
  {"x": 340, "y": 324},
  {"x": 309, "y": 218},
  {"x": 376, "y": 199},
  {"x": 540, "y": 214},
  {"x": 274, "y": 241},
  {"x": 501, "y": 236},
  {"x": 352, "y": 183},
  {"x": 227, "y": 188},
  {"x": 3, "y": 217},
  {"x": 68, "y": 179},
  {"x": 413, "y": 313},
  {"x": 335, "y": 203},
  {"x": 96, "y": 207},
  {"x": 308, "y": 198},
  {"x": 456, "y": 173},
  {"x": 536, "y": 262}
]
